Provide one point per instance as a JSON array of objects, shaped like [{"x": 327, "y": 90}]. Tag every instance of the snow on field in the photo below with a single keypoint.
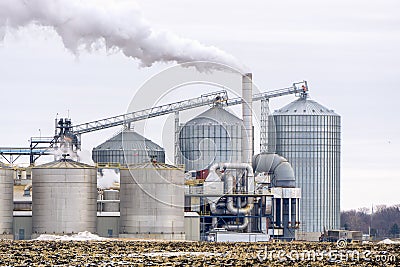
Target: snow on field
[
  {"x": 388, "y": 241},
  {"x": 81, "y": 236}
]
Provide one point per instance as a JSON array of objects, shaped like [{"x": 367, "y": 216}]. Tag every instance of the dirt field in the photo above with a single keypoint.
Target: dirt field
[{"x": 140, "y": 253}]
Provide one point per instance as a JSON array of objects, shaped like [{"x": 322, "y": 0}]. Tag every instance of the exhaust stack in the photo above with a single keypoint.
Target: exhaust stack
[{"x": 247, "y": 114}]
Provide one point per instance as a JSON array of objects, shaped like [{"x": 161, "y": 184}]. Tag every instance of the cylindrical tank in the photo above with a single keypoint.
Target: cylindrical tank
[
  {"x": 152, "y": 202},
  {"x": 64, "y": 197},
  {"x": 111, "y": 195},
  {"x": 100, "y": 204},
  {"x": 6, "y": 199},
  {"x": 307, "y": 134},
  {"x": 213, "y": 136},
  {"x": 128, "y": 147}
]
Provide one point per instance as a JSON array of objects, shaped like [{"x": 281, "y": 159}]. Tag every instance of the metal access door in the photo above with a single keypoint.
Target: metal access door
[
  {"x": 110, "y": 232},
  {"x": 21, "y": 234}
]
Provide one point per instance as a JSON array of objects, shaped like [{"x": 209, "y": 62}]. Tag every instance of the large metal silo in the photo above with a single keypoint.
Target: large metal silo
[
  {"x": 64, "y": 197},
  {"x": 308, "y": 135},
  {"x": 152, "y": 202},
  {"x": 6, "y": 200},
  {"x": 213, "y": 136},
  {"x": 128, "y": 147}
]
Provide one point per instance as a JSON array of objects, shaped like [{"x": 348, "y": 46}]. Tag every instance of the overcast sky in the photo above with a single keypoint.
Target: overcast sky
[{"x": 347, "y": 50}]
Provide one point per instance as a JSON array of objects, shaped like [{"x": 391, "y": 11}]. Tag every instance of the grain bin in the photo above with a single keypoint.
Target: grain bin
[
  {"x": 308, "y": 135},
  {"x": 211, "y": 137},
  {"x": 152, "y": 202},
  {"x": 64, "y": 197}
]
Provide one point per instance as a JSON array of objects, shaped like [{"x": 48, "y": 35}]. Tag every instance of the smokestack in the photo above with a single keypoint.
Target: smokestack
[{"x": 247, "y": 113}]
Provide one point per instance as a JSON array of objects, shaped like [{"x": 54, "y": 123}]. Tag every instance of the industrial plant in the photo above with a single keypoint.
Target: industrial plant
[{"x": 217, "y": 188}]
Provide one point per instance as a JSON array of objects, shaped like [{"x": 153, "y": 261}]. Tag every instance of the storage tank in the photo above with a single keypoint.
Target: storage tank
[
  {"x": 213, "y": 136},
  {"x": 64, "y": 197},
  {"x": 152, "y": 202},
  {"x": 128, "y": 147},
  {"x": 6, "y": 200},
  {"x": 307, "y": 134}
]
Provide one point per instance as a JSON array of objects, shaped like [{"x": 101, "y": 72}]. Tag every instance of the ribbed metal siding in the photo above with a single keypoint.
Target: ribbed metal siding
[
  {"x": 152, "y": 201},
  {"x": 6, "y": 200},
  {"x": 64, "y": 200},
  {"x": 311, "y": 143},
  {"x": 204, "y": 144},
  {"x": 126, "y": 156}
]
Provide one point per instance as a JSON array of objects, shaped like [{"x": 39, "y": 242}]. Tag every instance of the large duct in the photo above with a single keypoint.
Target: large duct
[
  {"x": 281, "y": 170},
  {"x": 247, "y": 113}
]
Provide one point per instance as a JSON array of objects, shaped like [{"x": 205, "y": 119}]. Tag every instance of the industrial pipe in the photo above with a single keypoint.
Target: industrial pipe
[
  {"x": 242, "y": 226},
  {"x": 229, "y": 202},
  {"x": 247, "y": 166},
  {"x": 229, "y": 187},
  {"x": 27, "y": 190}
]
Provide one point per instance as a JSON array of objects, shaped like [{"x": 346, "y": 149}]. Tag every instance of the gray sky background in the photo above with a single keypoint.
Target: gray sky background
[{"x": 347, "y": 50}]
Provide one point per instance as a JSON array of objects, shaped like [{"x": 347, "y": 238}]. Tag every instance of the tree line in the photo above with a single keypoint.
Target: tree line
[{"x": 382, "y": 221}]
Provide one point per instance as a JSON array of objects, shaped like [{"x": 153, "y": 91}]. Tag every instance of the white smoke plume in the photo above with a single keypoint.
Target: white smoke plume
[
  {"x": 107, "y": 178},
  {"x": 115, "y": 25}
]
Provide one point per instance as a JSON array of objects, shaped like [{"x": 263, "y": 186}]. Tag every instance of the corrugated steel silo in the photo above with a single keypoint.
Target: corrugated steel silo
[
  {"x": 152, "y": 202},
  {"x": 213, "y": 136},
  {"x": 308, "y": 135},
  {"x": 64, "y": 197},
  {"x": 128, "y": 147},
  {"x": 6, "y": 199}
]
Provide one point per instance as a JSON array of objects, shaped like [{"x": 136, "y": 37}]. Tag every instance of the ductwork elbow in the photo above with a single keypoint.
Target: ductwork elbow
[
  {"x": 276, "y": 165},
  {"x": 284, "y": 175},
  {"x": 236, "y": 210}
]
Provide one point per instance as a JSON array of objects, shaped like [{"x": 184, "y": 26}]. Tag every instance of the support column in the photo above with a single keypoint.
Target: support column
[
  {"x": 290, "y": 212},
  {"x": 275, "y": 213},
  {"x": 281, "y": 221},
  {"x": 297, "y": 210}
]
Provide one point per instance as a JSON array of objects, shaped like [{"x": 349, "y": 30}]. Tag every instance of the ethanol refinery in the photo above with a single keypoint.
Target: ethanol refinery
[{"x": 217, "y": 189}]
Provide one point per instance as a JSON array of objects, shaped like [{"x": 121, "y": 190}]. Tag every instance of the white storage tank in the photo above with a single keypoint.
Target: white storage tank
[
  {"x": 64, "y": 198},
  {"x": 152, "y": 202},
  {"x": 6, "y": 200}
]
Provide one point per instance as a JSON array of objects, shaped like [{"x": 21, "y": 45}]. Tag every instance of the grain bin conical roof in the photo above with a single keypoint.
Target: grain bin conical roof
[
  {"x": 64, "y": 164},
  {"x": 215, "y": 115},
  {"x": 129, "y": 140},
  {"x": 304, "y": 106}
]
